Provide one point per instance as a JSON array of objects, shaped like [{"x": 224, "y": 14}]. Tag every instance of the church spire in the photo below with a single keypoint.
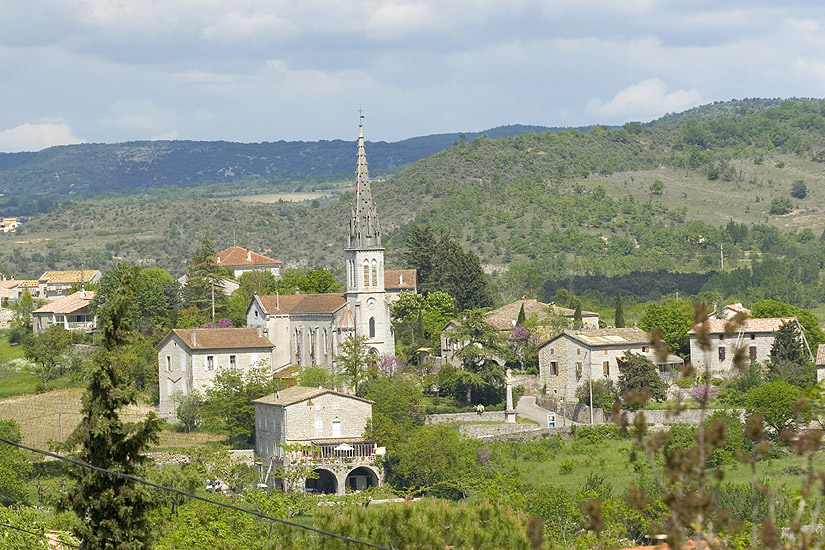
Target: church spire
[{"x": 364, "y": 230}]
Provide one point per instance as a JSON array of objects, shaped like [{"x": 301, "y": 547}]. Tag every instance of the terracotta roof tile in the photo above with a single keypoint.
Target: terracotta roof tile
[
  {"x": 769, "y": 324},
  {"x": 275, "y": 305},
  {"x": 238, "y": 256},
  {"x": 401, "y": 279},
  {"x": 606, "y": 337},
  {"x": 503, "y": 317},
  {"x": 75, "y": 276},
  {"x": 68, "y": 304},
  {"x": 303, "y": 303},
  {"x": 220, "y": 338},
  {"x": 296, "y": 394}
]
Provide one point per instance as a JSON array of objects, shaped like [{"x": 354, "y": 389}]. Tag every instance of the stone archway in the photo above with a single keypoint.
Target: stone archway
[
  {"x": 361, "y": 478},
  {"x": 325, "y": 483}
]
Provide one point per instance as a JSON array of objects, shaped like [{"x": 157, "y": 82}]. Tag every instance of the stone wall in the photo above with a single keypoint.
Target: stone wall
[
  {"x": 529, "y": 435},
  {"x": 484, "y": 431},
  {"x": 492, "y": 416}
]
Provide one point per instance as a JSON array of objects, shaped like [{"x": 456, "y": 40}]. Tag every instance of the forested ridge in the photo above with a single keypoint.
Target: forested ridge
[{"x": 552, "y": 205}]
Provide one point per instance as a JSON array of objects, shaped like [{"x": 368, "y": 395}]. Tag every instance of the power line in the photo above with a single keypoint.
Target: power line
[
  {"x": 191, "y": 495},
  {"x": 43, "y": 535}
]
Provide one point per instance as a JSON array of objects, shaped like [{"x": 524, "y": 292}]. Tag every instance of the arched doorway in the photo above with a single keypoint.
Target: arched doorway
[
  {"x": 325, "y": 483},
  {"x": 361, "y": 478}
]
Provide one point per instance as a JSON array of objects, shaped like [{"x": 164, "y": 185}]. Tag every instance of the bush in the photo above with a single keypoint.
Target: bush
[
  {"x": 775, "y": 400},
  {"x": 605, "y": 393},
  {"x": 780, "y": 206},
  {"x": 799, "y": 189}
]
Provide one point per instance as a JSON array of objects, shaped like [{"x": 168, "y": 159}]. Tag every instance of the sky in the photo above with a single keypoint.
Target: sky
[{"x": 105, "y": 71}]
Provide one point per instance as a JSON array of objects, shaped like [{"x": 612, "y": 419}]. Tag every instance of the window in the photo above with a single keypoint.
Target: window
[
  {"x": 554, "y": 368},
  {"x": 578, "y": 369},
  {"x": 753, "y": 353},
  {"x": 606, "y": 368},
  {"x": 170, "y": 386},
  {"x": 336, "y": 406},
  {"x": 721, "y": 353},
  {"x": 168, "y": 363},
  {"x": 210, "y": 362},
  {"x": 552, "y": 351},
  {"x": 336, "y": 428},
  {"x": 366, "y": 274},
  {"x": 325, "y": 342},
  {"x": 645, "y": 349},
  {"x": 578, "y": 351},
  {"x": 319, "y": 426},
  {"x": 233, "y": 362},
  {"x": 605, "y": 352},
  {"x": 372, "y": 327},
  {"x": 721, "y": 336},
  {"x": 374, "y": 273},
  {"x": 753, "y": 336}
]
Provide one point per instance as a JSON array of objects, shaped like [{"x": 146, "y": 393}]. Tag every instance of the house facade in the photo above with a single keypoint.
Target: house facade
[
  {"x": 241, "y": 261},
  {"x": 321, "y": 429},
  {"x": 572, "y": 358},
  {"x": 56, "y": 284},
  {"x": 397, "y": 281},
  {"x": 189, "y": 359},
  {"x": 755, "y": 335},
  {"x": 71, "y": 312}
]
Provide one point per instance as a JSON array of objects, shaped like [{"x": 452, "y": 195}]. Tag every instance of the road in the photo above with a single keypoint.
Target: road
[{"x": 527, "y": 408}]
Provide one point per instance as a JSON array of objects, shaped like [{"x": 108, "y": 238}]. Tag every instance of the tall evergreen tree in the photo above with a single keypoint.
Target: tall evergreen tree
[
  {"x": 203, "y": 277},
  {"x": 112, "y": 511},
  {"x": 619, "y": 318},
  {"x": 420, "y": 249},
  {"x": 521, "y": 316}
]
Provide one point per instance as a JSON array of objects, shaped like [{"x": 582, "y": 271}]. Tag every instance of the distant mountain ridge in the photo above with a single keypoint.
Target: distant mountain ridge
[{"x": 136, "y": 166}]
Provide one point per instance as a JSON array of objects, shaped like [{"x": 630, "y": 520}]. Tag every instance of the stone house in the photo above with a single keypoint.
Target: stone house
[
  {"x": 504, "y": 319},
  {"x": 572, "y": 358},
  {"x": 756, "y": 335},
  {"x": 320, "y": 429},
  {"x": 188, "y": 359},
  {"x": 71, "y": 312},
  {"x": 56, "y": 284},
  {"x": 820, "y": 363},
  {"x": 397, "y": 281},
  {"x": 243, "y": 261}
]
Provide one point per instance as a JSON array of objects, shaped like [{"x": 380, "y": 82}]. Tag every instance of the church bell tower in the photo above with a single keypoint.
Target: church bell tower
[{"x": 364, "y": 254}]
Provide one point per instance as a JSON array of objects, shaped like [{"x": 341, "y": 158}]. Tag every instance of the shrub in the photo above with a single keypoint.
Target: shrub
[
  {"x": 605, "y": 393},
  {"x": 799, "y": 189},
  {"x": 780, "y": 206},
  {"x": 566, "y": 466}
]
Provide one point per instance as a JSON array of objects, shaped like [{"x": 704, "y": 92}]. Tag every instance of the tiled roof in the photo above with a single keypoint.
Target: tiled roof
[
  {"x": 274, "y": 305},
  {"x": 28, "y": 283},
  {"x": 820, "y": 354},
  {"x": 75, "y": 276},
  {"x": 769, "y": 324},
  {"x": 237, "y": 256},
  {"x": 296, "y": 394},
  {"x": 503, "y": 317},
  {"x": 604, "y": 337},
  {"x": 10, "y": 283},
  {"x": 219, "y": 338},
  {"x": 68, "y": 304},
  {"x": 347, "y": 321},
  {"x": 401, "y": 279},
  {"x": 303, "y": 303}
]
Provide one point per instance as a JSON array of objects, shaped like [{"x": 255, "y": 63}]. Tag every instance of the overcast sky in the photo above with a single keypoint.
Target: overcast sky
[{"x": 266, "y": 70}]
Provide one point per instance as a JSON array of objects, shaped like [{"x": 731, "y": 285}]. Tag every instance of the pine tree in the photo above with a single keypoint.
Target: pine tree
[
  {"x": 619, "y": 319},
  {"x": 203, "y": 277},
  {"x": 112, "y": 511}
]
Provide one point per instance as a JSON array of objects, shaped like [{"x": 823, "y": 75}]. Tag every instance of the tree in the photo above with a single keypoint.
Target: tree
[
  {"x": 418, "y": 319},
  {"x": 153, "y": 289},
  {"x": 353, "y": 361},
  {"x": 320, "y": 281},
  {"x": 21, "y": 323},
  {"x": 780, "y": 206},
  {"x": 789, "y": 361},
  {"x": 398, "y": 406},
  {"x": 776, "y": 401},
  {"x": 15, "y": 469},
  {"x": 48, "y": 350},
  {"x": 675, "y": 318},
  {"x": 639, "y": 373},
  {"x": 605, "y": 393},
  {"x": 481, "y": 347},
  {"x": 619, "y": 316},
  {"x": 420, "y": 250},
  {"x": 799, "y": 189},
  {"x": 773, "y": 308},
  {"x": 227, "y": 405},
  {"x": 111, "y": 511},
  {"x": 204, "y": 277}
]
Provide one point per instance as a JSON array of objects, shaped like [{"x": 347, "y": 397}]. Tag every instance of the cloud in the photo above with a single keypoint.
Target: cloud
[
  {"x": 643, "y": 101},
  {"x": 145, "y": 116},
  {"x": 235, "y": 27},
  {"x": 36, "y": 137}
]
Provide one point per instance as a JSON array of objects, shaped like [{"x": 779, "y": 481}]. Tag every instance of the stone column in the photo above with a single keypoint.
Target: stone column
[{"x": 509, "y": 412}]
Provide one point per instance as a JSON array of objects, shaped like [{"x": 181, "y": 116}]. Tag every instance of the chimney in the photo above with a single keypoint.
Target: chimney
[
  {"x": 400, "y": 279},
  {"x": 194, "y": 338},
  {"x": 248, "y": 255}
]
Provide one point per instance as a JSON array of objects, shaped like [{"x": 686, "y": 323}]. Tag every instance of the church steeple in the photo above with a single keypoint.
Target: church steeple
[{"x": 364, "y": 229}]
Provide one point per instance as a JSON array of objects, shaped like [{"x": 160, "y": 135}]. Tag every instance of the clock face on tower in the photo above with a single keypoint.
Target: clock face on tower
[{"x": 371, "y": 303}]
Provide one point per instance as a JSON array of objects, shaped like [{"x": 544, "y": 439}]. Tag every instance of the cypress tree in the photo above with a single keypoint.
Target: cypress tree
[
  {"x": 619, "y": 320},
  {"x": 521, "y": 316},
  {"x": 577, "y": 315},
  {"x": 112, "y": 511}
]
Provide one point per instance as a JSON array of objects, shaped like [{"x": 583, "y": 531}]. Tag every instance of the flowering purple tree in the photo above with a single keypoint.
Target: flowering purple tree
[
  {"x": 389, "y": 365},
  {"x": 704, "y": 392},
  {"x": 222, "y": 323}
]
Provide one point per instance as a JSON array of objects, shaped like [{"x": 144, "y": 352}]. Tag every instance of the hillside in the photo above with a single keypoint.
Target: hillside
[
  {"x": 92, "y": 170},
  {"x": 547, "y": 205}
]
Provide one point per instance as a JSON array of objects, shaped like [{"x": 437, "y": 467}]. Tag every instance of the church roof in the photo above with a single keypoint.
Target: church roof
[
  {"x": 364, "y": 229},
  {"x": 302, "y": 303},
  {"x": 238, "y": 256},
  {"x": 400, "y": 279},
  {"x": 218, "y": 338}
]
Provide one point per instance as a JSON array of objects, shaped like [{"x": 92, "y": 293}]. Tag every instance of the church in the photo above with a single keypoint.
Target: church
[{"x": 309, "y": 329}]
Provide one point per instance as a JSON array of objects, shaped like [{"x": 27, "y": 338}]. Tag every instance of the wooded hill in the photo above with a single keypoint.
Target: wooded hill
[{"x": 548, "y": 205}]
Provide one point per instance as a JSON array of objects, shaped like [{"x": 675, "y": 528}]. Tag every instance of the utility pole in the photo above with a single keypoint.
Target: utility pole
[
  {"x": 213, "y": 301},
  {"x": 721, "y": 257}
]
